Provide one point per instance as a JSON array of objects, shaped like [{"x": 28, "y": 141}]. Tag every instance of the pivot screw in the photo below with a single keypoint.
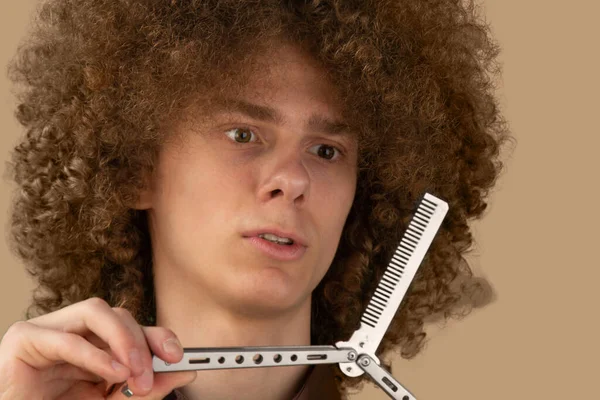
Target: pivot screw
[
  {"x": 365, "y": 362},
  {"x": 351, "y": 356}
]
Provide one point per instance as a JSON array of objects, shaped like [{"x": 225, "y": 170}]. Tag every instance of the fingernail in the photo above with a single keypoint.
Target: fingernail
[
  {"x": 172, "y": 346},
  {"x": 145, "y": 380},
  {"x": 126, "y": 391},
  {"x": 136, "y": 361}
]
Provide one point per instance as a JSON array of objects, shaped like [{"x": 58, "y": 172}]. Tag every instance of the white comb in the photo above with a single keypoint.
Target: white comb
[{"x": 395, "y": 281}]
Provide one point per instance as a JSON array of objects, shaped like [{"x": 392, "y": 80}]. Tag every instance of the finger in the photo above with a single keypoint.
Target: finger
[
  {"x": 43, "y": 348},
  {"x": 155, "y": 340},
  {"x": 68, "y": 319},
  {"x": 158, "y": 338},
  {"x": 142, "y": 377},
  {"x": 163, "y": 343},
  {"x": 68, "y": 372},
  {"x": 164, "y": 383},
  {"x": 115, "y": 327}
]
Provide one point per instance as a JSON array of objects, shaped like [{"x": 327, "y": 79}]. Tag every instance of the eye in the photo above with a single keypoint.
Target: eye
[
  {"x": 328, "y": 152},
  {"x": 243, "y": 135},
  {"x": 240, "y": 135}
]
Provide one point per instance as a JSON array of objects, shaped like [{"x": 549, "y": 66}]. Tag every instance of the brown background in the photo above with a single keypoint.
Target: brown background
[{"x": 537, "y": 243}]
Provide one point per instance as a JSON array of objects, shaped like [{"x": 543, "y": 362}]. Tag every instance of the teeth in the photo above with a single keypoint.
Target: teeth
[{"x": 276, "y": 239}]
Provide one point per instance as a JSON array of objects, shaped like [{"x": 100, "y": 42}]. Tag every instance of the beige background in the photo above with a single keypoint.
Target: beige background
[{"x": 536, "y": 244}]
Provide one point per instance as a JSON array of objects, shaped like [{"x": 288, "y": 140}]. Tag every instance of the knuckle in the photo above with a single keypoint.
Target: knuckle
[
  {"x": 97, "y": 303},
  {"x": 15, "y": 331},
  {"x": 17, "y": 328},
  {"x": 123, "y": 312}
]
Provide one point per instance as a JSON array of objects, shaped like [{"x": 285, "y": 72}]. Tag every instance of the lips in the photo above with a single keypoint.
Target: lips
[
  {"x": 297, "y": 238},
  {"x": 281, "y": 252}
]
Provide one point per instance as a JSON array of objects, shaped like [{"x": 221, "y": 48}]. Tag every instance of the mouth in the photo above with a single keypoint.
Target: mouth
[
  {"x": 276, "y": 250},
  {"x": 277, "y": 236}
]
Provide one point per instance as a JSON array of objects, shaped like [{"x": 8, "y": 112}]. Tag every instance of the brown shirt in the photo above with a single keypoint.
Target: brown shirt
[{"x": 319, "y": 385}]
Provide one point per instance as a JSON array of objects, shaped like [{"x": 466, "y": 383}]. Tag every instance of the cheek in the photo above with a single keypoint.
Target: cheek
[
  {"x": 333, "y": 216},
  {"x": 344, "y": 202},
  {"x": 341, "y": 194}
]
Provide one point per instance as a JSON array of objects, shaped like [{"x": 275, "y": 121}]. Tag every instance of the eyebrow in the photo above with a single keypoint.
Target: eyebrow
[{"x": 316, "y": 122}]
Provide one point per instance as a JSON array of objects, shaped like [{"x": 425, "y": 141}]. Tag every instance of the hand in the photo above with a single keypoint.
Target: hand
[{"x": 69, "y": 354}]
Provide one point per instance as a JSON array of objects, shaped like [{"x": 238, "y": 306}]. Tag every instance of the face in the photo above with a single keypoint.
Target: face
[{"x": 274, "y": 157}]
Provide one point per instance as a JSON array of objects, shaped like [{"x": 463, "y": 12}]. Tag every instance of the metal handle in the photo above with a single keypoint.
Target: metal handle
[
  {"x": 386, "y": 381},
  {"x": 254, "y": 357}
]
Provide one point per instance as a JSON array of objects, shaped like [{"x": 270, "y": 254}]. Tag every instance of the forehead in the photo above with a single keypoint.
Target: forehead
[
  {"x": 288, "y": 68},
  {"x": 280, "y": 83}
]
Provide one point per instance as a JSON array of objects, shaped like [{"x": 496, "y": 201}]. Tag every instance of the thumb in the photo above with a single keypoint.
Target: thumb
[{"x": 164, "y": 383}]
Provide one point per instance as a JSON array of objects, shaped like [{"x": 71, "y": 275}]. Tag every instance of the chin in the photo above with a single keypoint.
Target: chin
[
  {"x": 264, "y": 298},
  {"x": 267, "y": 287}
]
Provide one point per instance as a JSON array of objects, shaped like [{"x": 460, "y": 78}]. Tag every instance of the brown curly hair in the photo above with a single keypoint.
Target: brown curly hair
[{"x": 104, "y": 79}]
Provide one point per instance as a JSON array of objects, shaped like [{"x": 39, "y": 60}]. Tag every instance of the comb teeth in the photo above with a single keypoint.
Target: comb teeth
[{"x": 395, "y": 269}]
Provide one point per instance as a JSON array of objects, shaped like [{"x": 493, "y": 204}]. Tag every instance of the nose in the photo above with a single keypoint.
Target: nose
[{"x": 288, "y": 179}]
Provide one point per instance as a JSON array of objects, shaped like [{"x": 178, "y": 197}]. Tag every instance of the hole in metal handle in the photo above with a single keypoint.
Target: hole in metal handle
[{"x": 204, "y": 360}]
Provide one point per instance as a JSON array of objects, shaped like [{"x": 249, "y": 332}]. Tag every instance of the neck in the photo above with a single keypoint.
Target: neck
[{"x": 201, "y": 319}]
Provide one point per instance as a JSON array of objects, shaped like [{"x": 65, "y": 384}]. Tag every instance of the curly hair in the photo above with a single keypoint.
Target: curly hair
[{"x": 103, "y": 80}]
